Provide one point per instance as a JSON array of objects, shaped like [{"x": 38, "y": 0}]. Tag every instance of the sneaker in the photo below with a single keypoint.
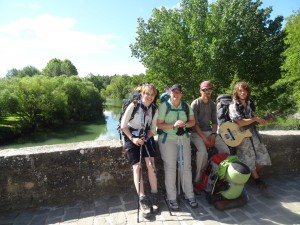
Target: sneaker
[
  {"x": 145, "y": 206},
  {"x": 192, "y": 202},
  {"x": 155, "y": 204},
  {"x": 173, "y": 204}
]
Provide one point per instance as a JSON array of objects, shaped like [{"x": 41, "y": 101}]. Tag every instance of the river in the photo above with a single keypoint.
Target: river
[{"x": 106, "y": 130}]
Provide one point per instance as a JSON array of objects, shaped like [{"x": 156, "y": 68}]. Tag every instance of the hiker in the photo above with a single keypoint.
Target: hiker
[
  {"x": 174, "y": 145},
  {"x": 204, "y": 134},
  {"x": 251, "y": 151},
  {"x": 138, "y": 137}
]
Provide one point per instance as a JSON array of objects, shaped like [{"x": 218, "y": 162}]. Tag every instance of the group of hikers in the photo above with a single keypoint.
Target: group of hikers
[{"x": 180, "y": 126}]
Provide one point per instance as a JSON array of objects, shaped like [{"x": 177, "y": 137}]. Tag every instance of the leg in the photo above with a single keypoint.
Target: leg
[
  {"x": 201, "y": 155},
  {"x": 221, "y": 146},
  {"x": 186, "y": 176},
  {"x": 151, "y": 173},
  {"x": 168, "y": 152},
  {"x": 138, "y": 181}
]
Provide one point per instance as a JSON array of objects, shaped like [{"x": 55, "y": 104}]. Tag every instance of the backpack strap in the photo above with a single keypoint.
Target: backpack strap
[{"x": 184, "y": 108}]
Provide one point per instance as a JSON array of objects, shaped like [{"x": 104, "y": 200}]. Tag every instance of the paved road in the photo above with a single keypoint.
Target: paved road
[{"x": 283, "y": 208}]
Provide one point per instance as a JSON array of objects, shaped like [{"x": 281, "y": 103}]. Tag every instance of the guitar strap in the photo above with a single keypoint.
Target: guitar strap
[{"x": 251, "y": 139}]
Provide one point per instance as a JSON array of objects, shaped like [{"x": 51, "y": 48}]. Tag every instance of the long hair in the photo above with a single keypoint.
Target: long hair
[
  {"x": 151, "y": 87},
  {"x": 245, "y": 86}
]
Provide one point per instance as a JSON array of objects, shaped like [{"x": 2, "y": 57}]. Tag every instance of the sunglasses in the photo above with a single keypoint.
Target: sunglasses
[{"x": 206, "y": 89}]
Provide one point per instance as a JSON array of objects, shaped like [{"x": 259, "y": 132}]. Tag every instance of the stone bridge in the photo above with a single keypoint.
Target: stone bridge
[{"x": 57, "y": 174}]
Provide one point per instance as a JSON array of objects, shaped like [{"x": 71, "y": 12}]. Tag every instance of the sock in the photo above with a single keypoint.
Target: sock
[{"x": 142, "y": 197}]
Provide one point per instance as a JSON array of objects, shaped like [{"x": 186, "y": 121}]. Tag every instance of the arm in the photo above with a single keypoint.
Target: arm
[
  {"x": 246, "y": 122},
  {"x": 124, "y": 126},
  {"x": 152, "y": 130}
]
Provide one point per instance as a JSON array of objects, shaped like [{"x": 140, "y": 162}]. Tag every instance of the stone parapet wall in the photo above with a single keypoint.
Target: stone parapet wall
[{"x": 57, "y": 174}]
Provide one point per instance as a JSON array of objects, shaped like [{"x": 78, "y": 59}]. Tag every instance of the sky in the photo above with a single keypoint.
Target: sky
[{"x": 93, "y": 34}]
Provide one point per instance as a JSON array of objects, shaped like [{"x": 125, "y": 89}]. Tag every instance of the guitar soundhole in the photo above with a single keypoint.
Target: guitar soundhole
[{"x": 229, "y": 135}]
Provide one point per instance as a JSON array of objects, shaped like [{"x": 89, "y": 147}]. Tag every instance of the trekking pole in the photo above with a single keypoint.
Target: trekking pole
[
  {"x": 139, "y": 191},
  {"x": 155, "y": 172},
  {"x": 180, "y": 163}
]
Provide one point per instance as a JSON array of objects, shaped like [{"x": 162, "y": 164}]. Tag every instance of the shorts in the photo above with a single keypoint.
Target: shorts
[{"x": 133, "y": 151}]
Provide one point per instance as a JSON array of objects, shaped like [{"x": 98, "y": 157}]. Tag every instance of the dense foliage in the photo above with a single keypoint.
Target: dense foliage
[
  {"x": 290, "y": 82},
  {"x": 225, "y": 41},
  {"x": 41, "y": 101}
]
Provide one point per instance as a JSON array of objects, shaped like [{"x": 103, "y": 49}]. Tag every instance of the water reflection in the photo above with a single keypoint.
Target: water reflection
[
  {"x": 112, "y": 120},
  {"x": 101, "y": 130}
]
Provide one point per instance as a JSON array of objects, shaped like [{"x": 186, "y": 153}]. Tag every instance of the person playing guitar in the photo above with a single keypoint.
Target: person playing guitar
[{"x": 251, "y": 151}]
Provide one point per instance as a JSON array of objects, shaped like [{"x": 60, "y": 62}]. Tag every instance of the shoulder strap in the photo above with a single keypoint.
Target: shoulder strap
[
  {"x": 186, "y": 109},
  {"x": 136, "y": 107}
]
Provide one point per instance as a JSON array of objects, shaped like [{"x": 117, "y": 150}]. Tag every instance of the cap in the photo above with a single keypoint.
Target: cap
[
  {"x": 176, "y": 86},
  {"x": 205, "y": 84}
]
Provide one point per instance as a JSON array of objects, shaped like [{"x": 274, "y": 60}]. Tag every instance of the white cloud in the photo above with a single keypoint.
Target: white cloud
[{"x": 36, "y": 41}]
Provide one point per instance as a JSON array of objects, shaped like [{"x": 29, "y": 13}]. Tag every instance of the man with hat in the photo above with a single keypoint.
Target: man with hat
[{"x": 204, "y": 134}]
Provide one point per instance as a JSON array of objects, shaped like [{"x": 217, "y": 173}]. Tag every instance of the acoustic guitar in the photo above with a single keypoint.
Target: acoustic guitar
[{"x": 232, "y": 135}]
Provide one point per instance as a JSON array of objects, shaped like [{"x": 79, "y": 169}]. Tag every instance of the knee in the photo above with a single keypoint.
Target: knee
[
  {"x": 202, "y": 154},
  {"x": 136, "y": 168}
]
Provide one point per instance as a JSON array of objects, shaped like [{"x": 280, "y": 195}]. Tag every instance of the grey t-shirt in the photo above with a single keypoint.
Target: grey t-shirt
[{"x": 205, "y": 114}]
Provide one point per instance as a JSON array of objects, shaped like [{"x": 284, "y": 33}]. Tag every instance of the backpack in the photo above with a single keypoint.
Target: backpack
[
  {"x": 223, "y": 102},
  {"x": 185, "y": 108},
  {"x": 209, "y": 175}
]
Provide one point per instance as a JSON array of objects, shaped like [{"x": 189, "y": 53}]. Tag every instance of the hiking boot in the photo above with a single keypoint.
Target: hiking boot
[
  {"x": 192, "y": 202},
  {"x": 155, "y": 204},
  {"x": 173, "y": 205},
  {"x": 145, "y": 206}
]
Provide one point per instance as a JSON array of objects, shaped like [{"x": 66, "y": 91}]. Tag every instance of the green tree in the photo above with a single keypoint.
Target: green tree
[
  {"x": 291, "y": 67},
  {"x": 36, "y": 101},
  {"x": 225, "y": 41},
  {"x": 29, "y": 71},
  {"x": 56, "y": 67},
  {"x": 163, "y": 46},
  {"x": 98, "y": 81},
  {"x": 67, "y": 68},
  {"x": 119, "y": 88},
  {"x": 26, "y": 71},
  {"x": 84, "y": 101},
  {"x": 12, "y": 73}
]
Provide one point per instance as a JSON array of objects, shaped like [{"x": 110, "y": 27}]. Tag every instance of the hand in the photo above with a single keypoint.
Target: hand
[
  {"x": 179, "y": 123},
  {"x": 207, "y": 142},
  {"x": 138, "y": 140},
  {"x": 260, "y": 120}
]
